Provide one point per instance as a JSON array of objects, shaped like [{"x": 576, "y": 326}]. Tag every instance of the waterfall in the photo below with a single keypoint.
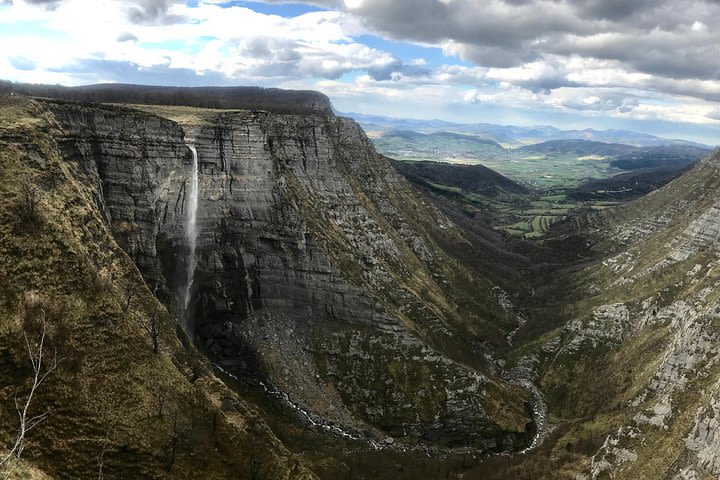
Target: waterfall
[{"x": 191, "y": 233}]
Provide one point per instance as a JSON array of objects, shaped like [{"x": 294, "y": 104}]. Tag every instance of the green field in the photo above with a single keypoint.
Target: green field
[
  {"x": 535, "y": 222},
  {"x": 545, "y": 172},
  {"x": 549, "y": 176},
  {"x": 541, "y": 171},
  {"x": 530, "y": 216},
  {"x": 549, "y": 171}
]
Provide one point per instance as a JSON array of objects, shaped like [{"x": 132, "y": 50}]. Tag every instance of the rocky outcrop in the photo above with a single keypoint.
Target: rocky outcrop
[{"x": 316, "y": 272}]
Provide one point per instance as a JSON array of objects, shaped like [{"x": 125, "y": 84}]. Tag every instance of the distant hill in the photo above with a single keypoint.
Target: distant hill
[
  {"x": 437, "y": 146},
  {"x": 625, "y": 186},
  {"x": 669, "y": 156},
  {"x": 274, "y": 100},
  {"x": 578, "y": 148},
  {"x": 512, "y": 135},
  {"x": 625, "y": 137},
  {"x": 467, "y": 178},
  {"x": 648, "y": 170}
]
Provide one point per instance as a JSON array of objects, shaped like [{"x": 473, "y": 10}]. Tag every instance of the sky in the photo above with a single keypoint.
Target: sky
[{"x": 646, "y": 65}]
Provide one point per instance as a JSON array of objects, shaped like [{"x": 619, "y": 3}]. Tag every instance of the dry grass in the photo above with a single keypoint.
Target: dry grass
[{"x": 104, "y": 401}]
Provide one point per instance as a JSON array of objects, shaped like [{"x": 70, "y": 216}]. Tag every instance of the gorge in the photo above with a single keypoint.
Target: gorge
[{"x": 337, "y": 320}]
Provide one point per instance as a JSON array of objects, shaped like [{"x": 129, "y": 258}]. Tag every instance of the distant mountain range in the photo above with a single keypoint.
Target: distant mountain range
[
  {"x": 466, "y": 148},
  {"x": 510, "y": 136},
  {"x": 564, "y": 163}
]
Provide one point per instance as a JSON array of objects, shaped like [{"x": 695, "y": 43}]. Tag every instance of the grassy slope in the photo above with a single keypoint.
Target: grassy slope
[{"x": 104, "y": 401}]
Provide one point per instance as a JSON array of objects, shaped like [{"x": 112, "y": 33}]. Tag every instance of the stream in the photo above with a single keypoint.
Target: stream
[
  {"x": 524, "y": 375},
  {"x": 304, "y": 414}
]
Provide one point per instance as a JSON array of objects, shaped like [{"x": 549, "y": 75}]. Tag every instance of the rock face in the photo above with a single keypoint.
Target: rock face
[
  {"x": 333, "y": 295},
  {"x": 647, "y": 324},
  {"x": 129, "y": 399},
  {"x": 318, "y": 271}
]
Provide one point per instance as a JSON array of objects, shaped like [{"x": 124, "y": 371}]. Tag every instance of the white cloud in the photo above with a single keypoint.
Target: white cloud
[{"x": 635, "y": 60}]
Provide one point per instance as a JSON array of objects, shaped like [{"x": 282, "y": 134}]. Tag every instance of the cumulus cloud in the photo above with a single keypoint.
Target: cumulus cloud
[
  {"x": 659, "y": 37},
  {"x": 153, "y": 12},
  {"x": 639, "y": 59}
]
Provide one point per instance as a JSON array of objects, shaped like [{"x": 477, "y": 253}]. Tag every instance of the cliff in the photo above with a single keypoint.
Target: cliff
[
  {"x": 629, "y": 361},
  {"x": 274, "y": 100},
  {"x": 130, "y": 398},
  {"x": 339, "y": 324},
  {"x": 324, "y": 293},
  {"x": 315, "y": 274}
]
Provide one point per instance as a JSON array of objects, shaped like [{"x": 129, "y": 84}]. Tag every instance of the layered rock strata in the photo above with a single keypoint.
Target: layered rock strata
[{"x": 315, "y": 261}]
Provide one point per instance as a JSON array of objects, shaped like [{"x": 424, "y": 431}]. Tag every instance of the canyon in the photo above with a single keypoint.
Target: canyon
[{"x": 337, "y": 320}]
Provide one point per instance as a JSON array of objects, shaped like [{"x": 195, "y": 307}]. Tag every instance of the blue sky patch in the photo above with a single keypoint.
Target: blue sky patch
[
  {"x": 286, "y": 10},
  {"x": 406, "y": 51}
]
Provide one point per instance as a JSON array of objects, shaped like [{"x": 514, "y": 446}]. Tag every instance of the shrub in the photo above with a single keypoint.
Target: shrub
[{"x": 29, "y": 218}]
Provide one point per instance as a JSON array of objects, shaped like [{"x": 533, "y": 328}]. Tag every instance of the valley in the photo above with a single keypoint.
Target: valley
[
  {"x": 561, "y": 176},
  {"x": 347, "y": 314}
]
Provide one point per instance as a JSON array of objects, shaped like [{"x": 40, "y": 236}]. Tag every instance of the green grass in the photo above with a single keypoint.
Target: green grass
[
  {"x": 445, "y": 188},
  {"x": 550, "y": 176}
]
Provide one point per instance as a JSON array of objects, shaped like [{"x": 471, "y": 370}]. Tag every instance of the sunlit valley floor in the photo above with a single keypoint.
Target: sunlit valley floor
[{"x": 345, "y": 315}]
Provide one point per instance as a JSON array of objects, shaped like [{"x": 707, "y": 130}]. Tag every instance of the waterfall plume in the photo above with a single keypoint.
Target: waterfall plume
[{"x": 191, "y": 233}]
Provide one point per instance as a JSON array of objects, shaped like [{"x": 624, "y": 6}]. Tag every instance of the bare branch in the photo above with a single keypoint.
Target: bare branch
[
  {"x": 10, "y": 462},
  {"x": 151, "y": 325}
]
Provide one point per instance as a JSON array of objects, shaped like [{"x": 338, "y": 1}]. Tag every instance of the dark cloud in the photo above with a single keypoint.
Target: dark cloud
[
  {"x": 493, "y": 33},
  {"x": 396, "y": 70},
  {"x": 612, "y": 9},
  {"x": 691, "y": 88},
  {"x": 153, "y": 12},
  {"x": 715, "y": 115},
  {"x": 546, "y": 82},
  {"x": 668, "y": 39}
]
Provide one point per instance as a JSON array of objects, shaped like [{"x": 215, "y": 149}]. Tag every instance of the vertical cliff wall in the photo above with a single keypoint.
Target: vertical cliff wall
[
  {"x": 128, "y": 399},
  {"x": 317, "y": 269}
]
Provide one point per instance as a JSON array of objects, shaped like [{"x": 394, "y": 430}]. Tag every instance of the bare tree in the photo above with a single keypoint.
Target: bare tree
[
  {"x": 101, "y": 458},
  {"x": 151, "y": 325},
  {"x": 129, "y": 294},
  {"x": 176, "y": 441},
  {"x": 10, "y": 462},
  {"x": 160, "y": 397},
  {"x": 28, "y": 212},
  {"x": 30, "y": 202}
]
